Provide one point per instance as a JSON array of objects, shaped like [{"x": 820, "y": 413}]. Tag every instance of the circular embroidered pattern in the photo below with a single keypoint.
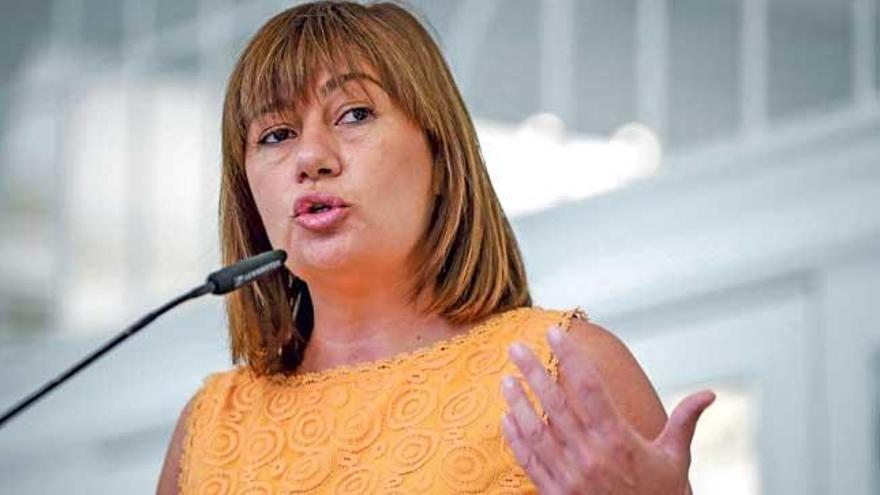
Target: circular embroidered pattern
[
  {"x": 223, "y": 444},
  {"x": 313, "y": 397},
  {"x": 464, "y": 407},
  {"x": 358, "y": 430},
  {"x": 511, "y": 479},
  {"x": 453, "y": 434},
  {"x": 391, "y": 482},
  {"x": 410, "y": 405},
  {"x": 361, "y": 480},
  {"x": 447, "y": 375},
  {"x": 265, "y": 444},
  {"x": 347, "y": 459},
  {"x": 277, "y": 468},
  {"x": 215, "y": 484},
  {"x": 306, "y": 472},
  {"x": 489, "y": 428},
  {"x": 204, "y": 414},
  {"x": 378, "y": 449},
  {"x": 337, "y": 396},
  {"x": 246, "y": 394},
  {"x": 466, "y": 468},
  {"x": 282, "y": 403},
  {"x": 248, "y": 474},
  {"x": 485, "y": 361},
  {"x": 257, "y": 488},
  {"x": 376, "y": 382},
  {"x": 441, "y": 359},
  {"x": 417, "y": 377},
  {"x": 309, "y": 428},
  {"x": 412, "y": 451},
  {"x": 422, "y": 482}
]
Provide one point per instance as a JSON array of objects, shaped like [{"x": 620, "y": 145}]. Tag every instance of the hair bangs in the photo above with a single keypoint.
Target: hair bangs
[{"x": 280, "y": 70}]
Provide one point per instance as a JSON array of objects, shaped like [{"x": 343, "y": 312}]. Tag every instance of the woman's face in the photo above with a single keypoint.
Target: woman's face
[{"x": 343, "y": 185}]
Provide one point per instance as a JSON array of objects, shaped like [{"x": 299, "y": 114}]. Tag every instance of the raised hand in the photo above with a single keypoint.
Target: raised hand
[{"x": 585, "y": 445}]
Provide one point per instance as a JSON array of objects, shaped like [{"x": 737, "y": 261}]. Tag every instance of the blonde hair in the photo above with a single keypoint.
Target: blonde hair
[{"x": 469, "y": 258}]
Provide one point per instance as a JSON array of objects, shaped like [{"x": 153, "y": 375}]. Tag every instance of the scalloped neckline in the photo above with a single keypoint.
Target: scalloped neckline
[{"x": 346, "y": 370}]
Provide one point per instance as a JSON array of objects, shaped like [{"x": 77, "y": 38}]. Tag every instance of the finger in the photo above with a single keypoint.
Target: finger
[
  {"x": 678, "y": 433},
  {"x": 554, "y": 400},
  {"x": 525, "y": 454},
  {"x": 531, "y": 428},
  {"x": 582, "y": 382}
]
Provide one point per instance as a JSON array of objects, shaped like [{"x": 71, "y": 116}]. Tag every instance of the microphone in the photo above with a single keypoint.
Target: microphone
[
  {"x": 222, "y": 281},
  {"x": 234, "y": 276}
]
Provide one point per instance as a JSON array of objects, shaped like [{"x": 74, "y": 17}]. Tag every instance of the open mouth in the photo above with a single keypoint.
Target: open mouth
[{"x": 318, "y": 207}]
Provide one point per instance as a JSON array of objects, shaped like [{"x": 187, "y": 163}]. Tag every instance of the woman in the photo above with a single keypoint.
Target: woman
[{"x": 384, "y": 358}]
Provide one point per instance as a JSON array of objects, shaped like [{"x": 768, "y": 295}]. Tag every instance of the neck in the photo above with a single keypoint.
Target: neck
[{"x": 366, "y": 322}]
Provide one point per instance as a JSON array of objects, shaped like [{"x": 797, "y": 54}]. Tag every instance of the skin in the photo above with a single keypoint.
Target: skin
[{"x": 353, "y": 142}]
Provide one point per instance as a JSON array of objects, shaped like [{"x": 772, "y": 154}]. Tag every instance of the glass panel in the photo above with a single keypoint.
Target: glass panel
[
  {"x": 506, "y": 77},
  {"x": 439, "y": 15},
  {"x": 103, "y": 25},
  {"x": 877, "y": 47},
  {"x": 724, "y": 450},
  {"x": 875, "y": 480},
  {"x": 604, "y": 72},
  {"x": 809, "y": 55},
  {"x": 704, "y": 92},
  {"x": 173, "y": 12}
]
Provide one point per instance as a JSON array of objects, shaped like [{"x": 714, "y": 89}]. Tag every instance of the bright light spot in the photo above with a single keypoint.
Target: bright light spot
[
  {"x": 537, "y": 164},
  {"x": 542, "y": 126},
  {"x": 646, "y": 144}
]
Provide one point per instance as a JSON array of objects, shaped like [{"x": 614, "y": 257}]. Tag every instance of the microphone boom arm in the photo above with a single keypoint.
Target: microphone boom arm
[{"x": 220, "y": 282}]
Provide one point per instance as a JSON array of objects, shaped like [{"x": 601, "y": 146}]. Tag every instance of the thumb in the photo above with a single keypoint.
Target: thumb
[{"x": 679, "y": 431}]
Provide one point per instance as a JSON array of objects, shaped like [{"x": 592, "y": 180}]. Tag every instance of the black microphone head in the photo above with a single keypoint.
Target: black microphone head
[{"x": 245, "y": 271}]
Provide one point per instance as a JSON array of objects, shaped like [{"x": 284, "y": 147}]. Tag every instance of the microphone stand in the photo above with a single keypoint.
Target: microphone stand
[{"x": 219, "y": 282}]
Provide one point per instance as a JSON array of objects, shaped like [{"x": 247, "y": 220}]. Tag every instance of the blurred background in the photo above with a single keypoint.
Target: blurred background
[{"x": 701, "y": 176}]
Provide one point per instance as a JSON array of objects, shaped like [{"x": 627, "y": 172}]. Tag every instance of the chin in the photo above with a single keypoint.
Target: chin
[{"x": 319, "y": 257}]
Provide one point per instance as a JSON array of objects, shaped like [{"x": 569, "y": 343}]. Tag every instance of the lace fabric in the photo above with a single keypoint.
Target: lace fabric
[{"x": 422, "y": 422}]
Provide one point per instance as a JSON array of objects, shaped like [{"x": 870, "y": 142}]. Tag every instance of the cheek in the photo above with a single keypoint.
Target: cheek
[
  {"x": 269, "y": 199},
  {"x": 406, "y": 195}
]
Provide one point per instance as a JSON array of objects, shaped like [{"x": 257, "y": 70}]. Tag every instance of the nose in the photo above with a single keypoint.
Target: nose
[{"x": 317, "y": 157}]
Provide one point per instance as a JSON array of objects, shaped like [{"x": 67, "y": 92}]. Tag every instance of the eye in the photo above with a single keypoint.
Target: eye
[
  {"x": 356, "y": 115},
  {"x": 276, "y": 136}
]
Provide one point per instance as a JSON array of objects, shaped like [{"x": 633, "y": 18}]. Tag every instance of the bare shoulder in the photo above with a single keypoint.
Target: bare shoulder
[
  {"x": 629, "y": 387},
  {"x": 168, "y": 479}
]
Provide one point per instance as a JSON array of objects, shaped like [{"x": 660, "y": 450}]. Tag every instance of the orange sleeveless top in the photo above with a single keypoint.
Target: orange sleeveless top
[{"x": 422, "y": 422}]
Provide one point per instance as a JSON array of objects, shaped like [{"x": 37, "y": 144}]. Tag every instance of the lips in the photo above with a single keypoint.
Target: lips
[
  {"x": 319, "y": 212},
  {"x": 313, "y": 202}
]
